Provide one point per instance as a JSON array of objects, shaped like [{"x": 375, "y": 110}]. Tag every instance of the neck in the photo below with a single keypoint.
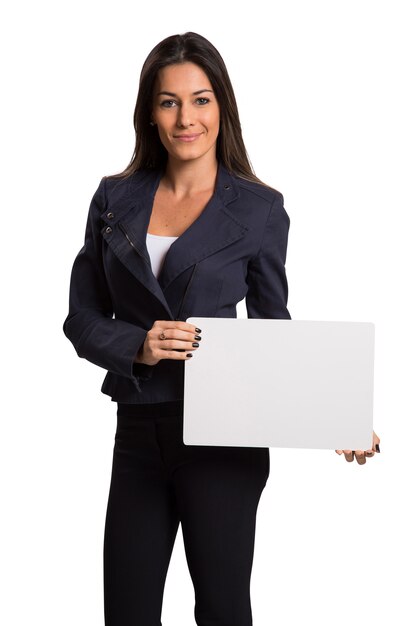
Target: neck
[{"x": 186, "y": 178}]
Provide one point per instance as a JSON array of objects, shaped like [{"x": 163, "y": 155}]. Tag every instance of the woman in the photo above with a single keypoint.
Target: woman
[{"x": 186, "y": 230}]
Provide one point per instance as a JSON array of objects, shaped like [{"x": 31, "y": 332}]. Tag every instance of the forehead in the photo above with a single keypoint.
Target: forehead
[{"x": 181, "y": 78}]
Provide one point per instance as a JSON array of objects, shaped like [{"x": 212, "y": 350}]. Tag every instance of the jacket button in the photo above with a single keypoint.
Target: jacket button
[
  {"x": 227, "y": 186},
  {"x": 108, "y": 230},
  {"x": 110, "y": 215}
]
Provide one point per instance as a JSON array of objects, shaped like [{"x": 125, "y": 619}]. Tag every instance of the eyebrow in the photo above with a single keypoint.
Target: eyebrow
[{"x": 195, "y": 93}]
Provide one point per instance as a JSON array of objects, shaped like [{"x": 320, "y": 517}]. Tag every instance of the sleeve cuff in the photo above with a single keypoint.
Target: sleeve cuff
[{"x": 142, "y": 371}]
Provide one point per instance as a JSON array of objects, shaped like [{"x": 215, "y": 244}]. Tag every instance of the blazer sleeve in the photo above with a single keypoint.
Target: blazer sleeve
[
  {"x": 90, "y": 324},
  {"x": 267, "y": 294}
]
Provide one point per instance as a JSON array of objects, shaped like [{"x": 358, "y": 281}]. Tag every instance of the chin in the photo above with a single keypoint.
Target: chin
[{"x": 187, "y": 155}]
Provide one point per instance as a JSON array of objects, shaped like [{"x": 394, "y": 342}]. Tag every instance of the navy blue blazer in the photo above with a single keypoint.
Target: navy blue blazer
[{"x": 236, "y": 248}]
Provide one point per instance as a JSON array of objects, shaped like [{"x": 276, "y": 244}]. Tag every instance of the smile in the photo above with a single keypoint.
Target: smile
[{"x": 188, "y": 138}]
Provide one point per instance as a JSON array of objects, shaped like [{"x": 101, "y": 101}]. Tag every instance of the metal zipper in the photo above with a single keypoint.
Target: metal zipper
[
  {"x": 123, "y": 228},
  {"x": 185, "y": 293}
]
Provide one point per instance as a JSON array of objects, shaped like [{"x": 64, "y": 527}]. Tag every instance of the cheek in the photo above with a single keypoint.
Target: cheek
[
  {"x": 210, "y": 118},
  {"x": 163, "y": 133},
  {"x": 212, "y": 123},
  {"x": 164, "y": 120}
]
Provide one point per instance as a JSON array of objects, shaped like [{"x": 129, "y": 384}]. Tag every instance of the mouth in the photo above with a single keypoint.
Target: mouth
[{"x": 188, "y": 138}]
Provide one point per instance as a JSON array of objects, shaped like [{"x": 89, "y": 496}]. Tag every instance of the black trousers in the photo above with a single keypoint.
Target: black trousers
[{"x": 157, "y": 481}]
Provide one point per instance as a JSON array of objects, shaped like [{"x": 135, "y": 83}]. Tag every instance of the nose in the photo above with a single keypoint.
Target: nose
[{"x": 184, "y": 116}]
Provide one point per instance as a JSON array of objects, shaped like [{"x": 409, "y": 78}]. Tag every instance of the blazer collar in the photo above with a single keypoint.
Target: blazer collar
[{"x": 215, "y": 228}]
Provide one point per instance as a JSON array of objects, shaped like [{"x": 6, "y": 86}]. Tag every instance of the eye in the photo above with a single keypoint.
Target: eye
[
  {"x": 167, "y": 103},
  {"x": 206, "y": 100}
]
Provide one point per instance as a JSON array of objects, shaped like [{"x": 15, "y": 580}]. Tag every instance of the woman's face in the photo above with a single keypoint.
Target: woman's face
[{"x": 186, "y": 111}]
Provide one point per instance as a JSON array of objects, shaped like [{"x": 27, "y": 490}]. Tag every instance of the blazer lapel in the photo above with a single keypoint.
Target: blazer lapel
[{"x": 215, "y": 228}]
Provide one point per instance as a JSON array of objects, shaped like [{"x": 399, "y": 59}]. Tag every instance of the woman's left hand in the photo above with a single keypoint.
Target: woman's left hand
[{"x": 361, "y": 455}]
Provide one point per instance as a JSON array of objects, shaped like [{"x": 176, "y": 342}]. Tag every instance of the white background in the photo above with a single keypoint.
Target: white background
[{"x": 327, "y": 99}]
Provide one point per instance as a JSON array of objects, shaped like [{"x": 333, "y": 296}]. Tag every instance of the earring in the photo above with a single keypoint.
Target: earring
[{"x": 152, "y": 123}]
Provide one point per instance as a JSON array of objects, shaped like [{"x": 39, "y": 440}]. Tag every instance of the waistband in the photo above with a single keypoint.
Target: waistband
[{"x": 172, "y": 408}]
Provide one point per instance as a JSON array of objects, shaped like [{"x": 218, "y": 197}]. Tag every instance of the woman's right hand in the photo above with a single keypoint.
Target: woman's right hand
[{"x": 178, "y": 343}]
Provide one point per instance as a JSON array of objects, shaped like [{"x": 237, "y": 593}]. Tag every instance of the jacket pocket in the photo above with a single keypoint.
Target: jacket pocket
[
  {"x": 201, "y": 295},
  {"x": 181, "y": 307}
]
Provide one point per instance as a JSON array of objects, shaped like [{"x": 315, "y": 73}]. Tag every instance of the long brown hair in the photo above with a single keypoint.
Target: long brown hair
[{"x": 189, "y": 47}]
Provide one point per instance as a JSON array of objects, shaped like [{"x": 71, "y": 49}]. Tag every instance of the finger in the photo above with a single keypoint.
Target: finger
[
  {"x": 188, "y": 331},
  {"x": 166, "y": 345},
  {"x": 178, "y": 324},
  {"x": 360, "y": 456},
  {"x": 375, "y": 442},
  {"x": 339, "y": 451},
  {"x": 369, "y": 453},
  {"x": 348, "y": 455},
  {"x": 178, "y": 355},
  {"x": 177, "y": 333}
]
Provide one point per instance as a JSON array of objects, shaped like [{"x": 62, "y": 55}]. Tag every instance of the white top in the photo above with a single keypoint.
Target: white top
[{"x": 158, "y": 246}]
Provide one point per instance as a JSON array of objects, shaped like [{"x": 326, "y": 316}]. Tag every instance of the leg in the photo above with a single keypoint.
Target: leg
[
  {"x": 140, "y": 528},
  {"x": 218, "y": 495}
]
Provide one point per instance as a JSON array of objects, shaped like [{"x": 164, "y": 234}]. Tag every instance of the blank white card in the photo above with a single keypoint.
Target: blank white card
[{"x": 280, "y": 383}]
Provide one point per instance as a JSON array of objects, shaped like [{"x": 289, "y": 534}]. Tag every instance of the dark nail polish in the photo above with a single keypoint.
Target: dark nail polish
[
  {"x": 196, "y": 344},
  {"x": 198, "y": 330},
  {"x": 197, "y": 337},
  {"x": 377, "y": 447},
  {"x": 190, "y": 354}
]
